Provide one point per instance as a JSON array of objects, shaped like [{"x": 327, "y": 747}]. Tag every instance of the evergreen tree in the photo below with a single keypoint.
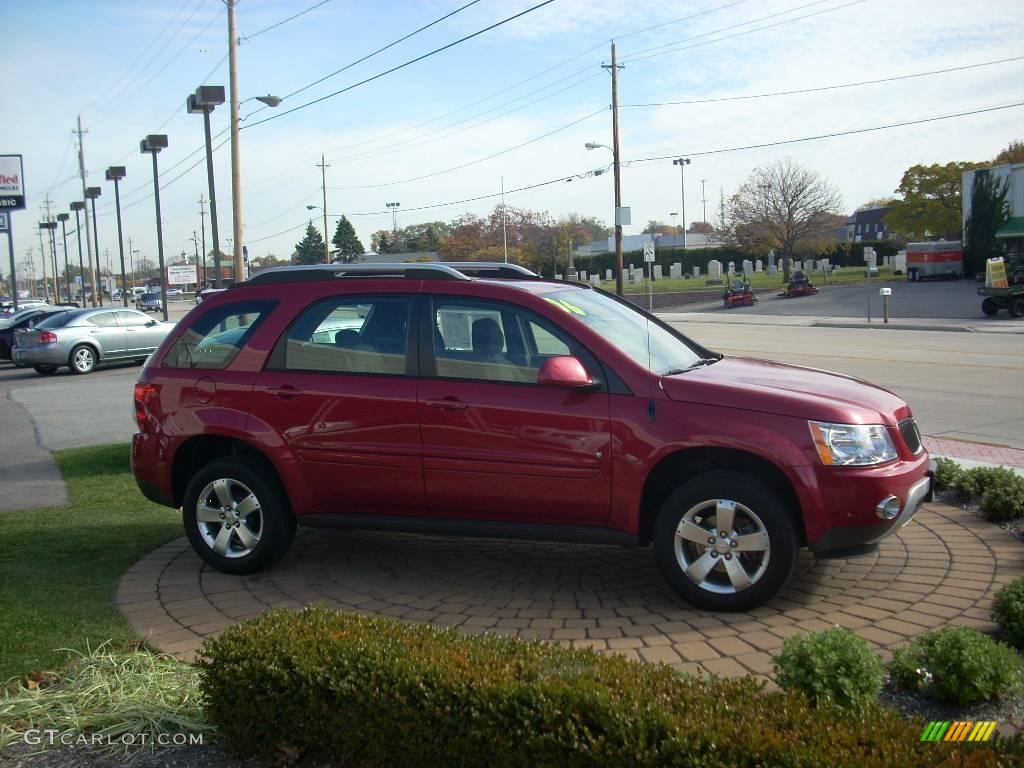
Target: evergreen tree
[
  {"x": 989, "y": 212},
  {"x": 346, "y": 244},
  {"x": 310, "y": 250}
]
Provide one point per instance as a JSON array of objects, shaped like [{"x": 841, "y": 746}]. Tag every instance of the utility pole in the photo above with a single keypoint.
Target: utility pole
[
  {"x": 42, "y": 252},
  {"x": 236, "y": 150},
  {"x": 617, "y": 168},
  {"x": 721, "y": 209},
  {"x": 704, "y": 201},
  {"x": 51, "y": 231},
  {"x": 202, "y": 231},
  {"x": 323, "y": 166},
  {"x": 504, "y": 229},
  {"x": 88, "y": 231},
  {"x": 131, "y": 260}
]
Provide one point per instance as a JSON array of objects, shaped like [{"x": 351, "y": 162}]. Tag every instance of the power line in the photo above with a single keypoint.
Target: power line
[
  {"x": 826, "y": 87},
  {"x": 474, "y": 162},
  {"x": 379, "y": 75},
  {"x": 247, "y": 38},
  {"x": 825, "y": 135},
  {"x": 650, "y": 53}
]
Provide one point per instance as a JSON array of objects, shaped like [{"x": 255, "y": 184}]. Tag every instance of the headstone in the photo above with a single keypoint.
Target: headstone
[
  {"x": 583, "y": 275},
  {"x": 657, "y": 271},
  {"x": 870, "y": 257},
  {"x": 771, "y": 261},
  {"x": 759, "y": 266},
  {"x": 696, "y": 270},
  {"x": 798, "y": 266},
  {"x": 825, "y": 265},
  {"x": 557, "y": 276},
  {"x": 899, "y": 263},
  {"x": 714, "y": 270},
  {"x": 638, "y": 277},
  {"x": 772, "y": 269},
  {"x": 748, "y": 268},
  {"x": 595, "y": 280},
  {"x": 607, "y": 274},
  {"x": 675, "y": 271},
  {"x": 810, "y": 265},
  {"x": 732, "y": 267}
]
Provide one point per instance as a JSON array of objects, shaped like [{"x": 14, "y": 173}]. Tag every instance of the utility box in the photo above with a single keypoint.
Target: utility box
[{"x": 941, "y": 259}]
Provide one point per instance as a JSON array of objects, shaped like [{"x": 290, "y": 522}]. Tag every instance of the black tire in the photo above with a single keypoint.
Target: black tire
[
  {"x": 758, "y": 512},
  {"x": 45, "y": 370},
  {"x": 1017, "y": 307},
  {"x": 276, "y": 524},
  {"x": 990, "y": 307},
  {"x": 82, "y": 359}
]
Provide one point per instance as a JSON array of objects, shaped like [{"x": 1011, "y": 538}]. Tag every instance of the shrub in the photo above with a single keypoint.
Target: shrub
[
  {"x": 360, "y": 690},
  {"x": 947, "y": 474},
  {"x": 834, "y": 665},
  {"x": 958, "y": 664},
  {"x": 1003, "y": 497},
  {"x": 973, "y": 482},
  {"x": 1008, "y": 611}
]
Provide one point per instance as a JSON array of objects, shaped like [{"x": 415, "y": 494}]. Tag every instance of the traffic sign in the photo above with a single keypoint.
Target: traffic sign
[
  {"x": 648, "y": 251},
  {"x": 12, "y": 183}
]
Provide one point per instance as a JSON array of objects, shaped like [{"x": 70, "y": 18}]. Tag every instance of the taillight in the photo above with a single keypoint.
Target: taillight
[
  {"x": 143, "y": 394},
  {"x": 47, "y": 337}
]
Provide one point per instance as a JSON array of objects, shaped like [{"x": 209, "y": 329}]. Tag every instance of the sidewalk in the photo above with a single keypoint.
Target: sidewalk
[
  {"x": 28, "y": 474},
  {"x": 810, "y": 321}
]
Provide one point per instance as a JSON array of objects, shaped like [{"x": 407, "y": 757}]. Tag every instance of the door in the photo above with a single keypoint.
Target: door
[
  {"x": 142, "y": 335},
  {"x": 497, "y": 445},
  {"x": 340, "y": 389},
  {"x": 103, "y": 329}
]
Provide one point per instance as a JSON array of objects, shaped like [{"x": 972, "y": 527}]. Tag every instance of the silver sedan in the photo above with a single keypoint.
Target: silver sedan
[{"x": 81, "y": 338}]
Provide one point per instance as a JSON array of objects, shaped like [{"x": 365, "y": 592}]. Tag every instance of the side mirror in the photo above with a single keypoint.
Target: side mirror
[
  {"x": 150, "y": 323},
  {"x": 564, "y": 371}
]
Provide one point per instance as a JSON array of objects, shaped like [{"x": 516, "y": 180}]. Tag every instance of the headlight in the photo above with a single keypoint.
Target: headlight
[{"x": 852, "y": 445}]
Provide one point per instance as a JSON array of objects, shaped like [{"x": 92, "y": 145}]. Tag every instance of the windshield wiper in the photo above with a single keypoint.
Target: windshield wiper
[{"x": 700, "y": 363}]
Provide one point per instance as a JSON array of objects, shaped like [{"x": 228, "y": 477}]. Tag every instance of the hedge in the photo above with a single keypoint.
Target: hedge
[{"x": 366, "y": 691}]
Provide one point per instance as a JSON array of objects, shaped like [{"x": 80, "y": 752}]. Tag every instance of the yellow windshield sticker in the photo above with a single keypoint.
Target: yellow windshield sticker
[{"x": 567, "y": 306}]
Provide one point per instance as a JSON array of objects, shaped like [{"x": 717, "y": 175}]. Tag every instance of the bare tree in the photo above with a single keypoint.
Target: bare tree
[{"x": 781, "y": 206}]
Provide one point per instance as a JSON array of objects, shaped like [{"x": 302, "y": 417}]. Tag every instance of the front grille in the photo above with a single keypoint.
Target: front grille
[{"x": 908, "y": 429}]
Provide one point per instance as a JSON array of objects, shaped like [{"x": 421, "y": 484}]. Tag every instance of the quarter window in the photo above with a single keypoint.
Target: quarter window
[
  {"x": 103, "y": 320},
  {"x": 350, "y": 334},
  {"x": 215, "y": 338}
]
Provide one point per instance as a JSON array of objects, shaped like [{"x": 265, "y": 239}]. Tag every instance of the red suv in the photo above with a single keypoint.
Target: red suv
[{"x": 478, "y": 399}]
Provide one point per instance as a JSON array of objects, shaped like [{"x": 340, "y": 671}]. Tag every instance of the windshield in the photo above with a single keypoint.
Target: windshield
[{"x": 643, "y": 340}]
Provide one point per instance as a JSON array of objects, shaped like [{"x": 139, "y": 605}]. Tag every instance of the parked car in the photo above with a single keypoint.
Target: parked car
[
  {"x": 23, "y": 304},
  {"x": 150, "y": 302},
  {"x": 481, "y": 400},
  {"x": 175, "y": 292},
  {"x": 206, "y": 293},
  {"x": 83, "y": 338},
  {"x": 29, "y": 319}
]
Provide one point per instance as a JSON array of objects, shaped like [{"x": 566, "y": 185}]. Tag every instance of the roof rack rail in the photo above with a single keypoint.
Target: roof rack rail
[{"x": 462, "y": 270}]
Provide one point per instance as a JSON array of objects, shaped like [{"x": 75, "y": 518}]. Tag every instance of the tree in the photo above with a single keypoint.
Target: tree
[
  {"x": 310, "y": 250},
  {"x": 1014, "y": 153},
  {"x": 989, "y": 212},
  {"x": 782, "y": 206},
  {"x": 700, "y": 228},
  {"x": 930, "y": 202},
  {"x": 346, "y": 243},
  {"x": 878, "y": 202},
  {"x": 270, "y": 260},
  {"x": 658, "y": 228}
]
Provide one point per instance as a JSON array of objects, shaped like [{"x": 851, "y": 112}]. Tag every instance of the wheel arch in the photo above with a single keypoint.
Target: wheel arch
[
  {"x": 680, "y": 466},
  {"x": 85, "y": 343},
  {"x": 198, "y": 451}
]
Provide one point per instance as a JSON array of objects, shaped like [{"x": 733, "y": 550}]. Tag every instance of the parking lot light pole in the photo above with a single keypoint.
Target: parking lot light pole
[
  {"x": 682, "y": 162},
  {"x": 153, "y": 144},
  {"x": 203, "y": 101},
  {"x": 63, "y": 219},
  {"x": 77, "y": 207},
  {"x": 92, "y": 193},
  {"x": 115, "y": 173}
]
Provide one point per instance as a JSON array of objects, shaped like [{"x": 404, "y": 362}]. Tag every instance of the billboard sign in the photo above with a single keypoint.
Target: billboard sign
[
  {"x": 181, "y": 274},
  {"x": 12, "y": 183}
]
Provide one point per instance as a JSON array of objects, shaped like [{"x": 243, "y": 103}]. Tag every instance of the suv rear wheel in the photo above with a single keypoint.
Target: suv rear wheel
[
  {"x": 725, "y": 541},
  {"x": 236, "y": 516}
]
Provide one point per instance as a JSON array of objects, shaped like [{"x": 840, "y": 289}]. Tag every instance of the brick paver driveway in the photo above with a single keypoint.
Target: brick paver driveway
[{"x": 942, "y": 568}]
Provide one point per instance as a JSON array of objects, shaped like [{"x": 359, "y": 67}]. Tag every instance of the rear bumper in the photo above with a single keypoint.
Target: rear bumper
[
  {"x": 41, "y": 354},
  {"x": 148, "y": 467}
]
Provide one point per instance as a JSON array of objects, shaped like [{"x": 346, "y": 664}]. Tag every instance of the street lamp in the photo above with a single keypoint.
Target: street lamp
[
  {"x": 115, "y": 173},
  {"x": 674, "y": 225},
  {"x": 63, "y": 219},
  {"x": 682, "y": 162},
  {"x": 195, "y": 242},
  {"x": 50, "y": 226},
  {"x": 77, "y": 207},
  {"x": 327, "y": 250},
  {"x": 92, "y": 193},
  {"x": 394, "y": 216},
  {"x": 619, "y": 214},
  {"x": 204, "y": 100},
  {"x": 153, "y": 144}
]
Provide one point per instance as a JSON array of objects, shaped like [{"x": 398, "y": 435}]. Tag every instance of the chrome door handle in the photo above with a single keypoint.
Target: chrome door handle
[
  {"x": 286, "y": 392},
  {"x": 449, "y": 404}
]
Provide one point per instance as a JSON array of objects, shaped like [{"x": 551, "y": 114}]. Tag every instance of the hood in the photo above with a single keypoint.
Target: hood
[{"x": 789, "y": 390}]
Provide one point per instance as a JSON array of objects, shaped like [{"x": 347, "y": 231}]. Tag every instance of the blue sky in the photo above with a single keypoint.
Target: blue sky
[{"x": 128, "y": 67}]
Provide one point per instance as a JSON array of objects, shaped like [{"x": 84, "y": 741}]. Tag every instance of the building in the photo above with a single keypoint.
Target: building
[
  {"x": 868, "y": 224},
  {"x": 1012, "y": 233}
]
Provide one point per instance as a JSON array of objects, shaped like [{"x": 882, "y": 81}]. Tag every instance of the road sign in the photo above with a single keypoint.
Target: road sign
[
  {"x": 648, "y": 251},
  {"x": 181, "y": 274},
  {"x": 78, "y": 280},
  {"x": 12, "y": 183}
]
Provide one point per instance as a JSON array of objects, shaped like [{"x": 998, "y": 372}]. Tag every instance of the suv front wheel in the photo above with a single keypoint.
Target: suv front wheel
[
  {"x": 236, "y": 517},
  {"x": 725, "y": 541}
]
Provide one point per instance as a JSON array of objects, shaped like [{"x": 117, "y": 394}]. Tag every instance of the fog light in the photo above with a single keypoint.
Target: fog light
[{"x": 888, "y": 508}]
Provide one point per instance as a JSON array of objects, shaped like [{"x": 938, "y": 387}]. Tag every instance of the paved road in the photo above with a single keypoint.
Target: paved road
[{"x": 939, "y": 299}]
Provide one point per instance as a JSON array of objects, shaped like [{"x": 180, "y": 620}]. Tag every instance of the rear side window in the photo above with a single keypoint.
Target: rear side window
[
  {"x": 58, "y": 320},
  {"x": 215, "y": 337},
  {"x": 348, "y": 334}
]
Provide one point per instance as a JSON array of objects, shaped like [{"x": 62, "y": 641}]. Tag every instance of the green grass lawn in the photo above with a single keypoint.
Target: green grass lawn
[
  {"x": 60, "y": 566},
  {"x": 763, "y": 282}
]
